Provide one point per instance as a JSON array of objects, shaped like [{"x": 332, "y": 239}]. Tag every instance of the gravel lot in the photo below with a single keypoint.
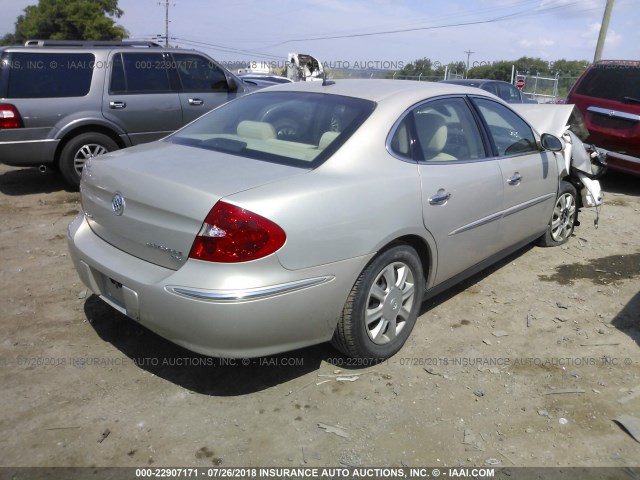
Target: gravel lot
[{"x": 526, "y": 364}]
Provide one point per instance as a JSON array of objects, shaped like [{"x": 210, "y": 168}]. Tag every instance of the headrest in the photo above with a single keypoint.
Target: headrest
[
  {"x": 326, "y": 139},
  {"x": 432, "y": 133},
  {"x": 258, "y": 130}
]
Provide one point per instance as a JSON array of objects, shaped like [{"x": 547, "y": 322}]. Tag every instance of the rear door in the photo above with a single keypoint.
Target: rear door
[
  {"x": 204, "y": 85},
  {"x": 462, "y": 192},
  {"x": 529, "y": 175},
  {"x": 142, "y": 96}
]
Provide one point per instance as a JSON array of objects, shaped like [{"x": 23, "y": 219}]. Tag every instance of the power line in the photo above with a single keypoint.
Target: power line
[
  {"x": 226, "y": 49},
  {"x": 535, "y": 11}
]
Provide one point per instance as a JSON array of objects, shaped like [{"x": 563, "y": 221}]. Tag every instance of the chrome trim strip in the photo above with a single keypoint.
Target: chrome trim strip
[
  {"x": 502, "y": 214},
  {"x": 477, "y": 223},
  {"x": 614, "y": 113},
  {"x": 530, "y": 203},
  {"x": 31, "y": 141},
  {"x": 250, "y": 294}
]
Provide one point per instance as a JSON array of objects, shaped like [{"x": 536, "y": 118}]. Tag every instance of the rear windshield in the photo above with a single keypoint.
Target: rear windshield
[
  {"x": 611, "y": 81},
  {"x": 293, "y": 128}
]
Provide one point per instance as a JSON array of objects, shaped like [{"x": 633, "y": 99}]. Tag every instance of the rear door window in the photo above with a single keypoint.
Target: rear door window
[
  {"x": 140, "y": 73},
  {"x": 48, "y": 75},
  {"x": 445, "y": 130}
]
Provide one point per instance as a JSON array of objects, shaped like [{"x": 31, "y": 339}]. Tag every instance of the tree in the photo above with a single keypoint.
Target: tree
[
  {"x": 496, "y": 71},
  {"x": 69, "y": 20},
  {"x": 8, "y": 39},
  {"x": 421, "y": 68}
]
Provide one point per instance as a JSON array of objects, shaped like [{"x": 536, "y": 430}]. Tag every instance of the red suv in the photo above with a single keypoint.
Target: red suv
[{"x": 608, "y": 95}]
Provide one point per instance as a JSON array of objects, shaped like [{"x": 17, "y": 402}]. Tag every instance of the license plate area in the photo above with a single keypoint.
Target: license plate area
[{"x": 113, "y": 291}]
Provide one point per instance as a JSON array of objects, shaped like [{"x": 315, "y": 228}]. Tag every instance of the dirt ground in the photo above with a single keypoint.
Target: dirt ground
[{"x": 526, "y": 364}]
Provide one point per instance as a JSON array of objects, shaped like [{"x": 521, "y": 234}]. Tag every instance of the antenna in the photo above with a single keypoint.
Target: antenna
[{"x": 326, "y": 82}]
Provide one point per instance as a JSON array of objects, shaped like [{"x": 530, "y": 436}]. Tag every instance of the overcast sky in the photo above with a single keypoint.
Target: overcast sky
[{"x": 442, "y": 30}]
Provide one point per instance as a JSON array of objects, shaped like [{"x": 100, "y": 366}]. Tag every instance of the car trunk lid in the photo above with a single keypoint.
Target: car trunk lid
[{"x": 150, "y": 201}]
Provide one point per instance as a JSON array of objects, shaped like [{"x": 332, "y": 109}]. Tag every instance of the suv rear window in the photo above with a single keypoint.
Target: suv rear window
[
  {"x": 47, "y": 75},
  {"x": 611, "y": 82},
  {"x": 292, "y": 128}
]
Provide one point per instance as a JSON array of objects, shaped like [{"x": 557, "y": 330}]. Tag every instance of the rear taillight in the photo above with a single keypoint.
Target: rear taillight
[
  {"x": 9, "y": 116},
  {"x": 232, "y": 234}
]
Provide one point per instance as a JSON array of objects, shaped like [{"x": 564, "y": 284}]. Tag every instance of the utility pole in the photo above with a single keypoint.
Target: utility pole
[
  {"x": 166, "y": 21},
  {"x": 468, "y": 52},
  {"x": 603, "y": 30}
]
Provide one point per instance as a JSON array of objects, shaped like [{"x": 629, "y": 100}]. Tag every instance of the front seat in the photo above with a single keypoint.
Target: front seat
[{"x": 432, "y": 135}]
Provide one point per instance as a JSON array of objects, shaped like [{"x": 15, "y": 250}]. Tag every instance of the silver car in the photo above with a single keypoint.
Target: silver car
[{"x": 318, "y": 211}]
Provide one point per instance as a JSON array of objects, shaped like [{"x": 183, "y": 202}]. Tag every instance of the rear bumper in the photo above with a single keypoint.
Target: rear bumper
[
  {"x": 243, "y": 310},
  {"x": 30, "y": 153}
]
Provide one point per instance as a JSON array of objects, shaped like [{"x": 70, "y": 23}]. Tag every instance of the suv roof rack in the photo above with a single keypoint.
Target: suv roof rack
[{"x": 89, "y": 43}]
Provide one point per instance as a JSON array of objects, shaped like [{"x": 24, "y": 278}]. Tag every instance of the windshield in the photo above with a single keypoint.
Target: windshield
[{"x": 294, "y": 128}]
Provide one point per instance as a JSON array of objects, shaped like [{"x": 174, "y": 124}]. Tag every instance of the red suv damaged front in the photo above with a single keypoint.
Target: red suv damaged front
[{"x": 608, "y": 95}]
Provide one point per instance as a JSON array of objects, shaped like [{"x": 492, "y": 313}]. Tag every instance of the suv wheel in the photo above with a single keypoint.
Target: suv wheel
[{"x": 80, "y": 149}]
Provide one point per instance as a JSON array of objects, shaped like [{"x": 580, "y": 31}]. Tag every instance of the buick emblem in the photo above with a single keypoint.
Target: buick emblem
[
  {"x": 394, "y": 304},
  {"x": 117, "y": 204}
]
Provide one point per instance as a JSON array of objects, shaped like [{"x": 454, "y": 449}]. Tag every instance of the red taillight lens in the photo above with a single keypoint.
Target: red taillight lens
[
  {"x": 9, "y": 116},
  {"x": 232, "y": 234}
]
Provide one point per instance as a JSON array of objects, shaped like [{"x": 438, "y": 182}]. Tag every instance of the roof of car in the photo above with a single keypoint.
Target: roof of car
[
  {"x": 39, "y": 46},
  {"x": 378, "y": 90},
  {"x": 472, "y": 81},
  {"x": 616, "y": 63}
]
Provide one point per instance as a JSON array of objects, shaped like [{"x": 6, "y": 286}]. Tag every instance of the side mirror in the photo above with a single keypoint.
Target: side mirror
[{"x": 551, "y": 142}]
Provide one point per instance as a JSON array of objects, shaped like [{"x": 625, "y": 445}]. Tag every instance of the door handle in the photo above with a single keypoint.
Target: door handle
[
  {"x": 440, "y": 198},
  {"x": 117, "y": 105},
  {"x": 196, "y": 101},
  {"x": 515, "y": 179}
]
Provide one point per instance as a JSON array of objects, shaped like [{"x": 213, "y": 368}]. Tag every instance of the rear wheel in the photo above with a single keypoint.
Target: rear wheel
[
  {"x": 382, "y": 306},
  {"x": 80, "y": 149},
  {"x": 564, "y": 216}
]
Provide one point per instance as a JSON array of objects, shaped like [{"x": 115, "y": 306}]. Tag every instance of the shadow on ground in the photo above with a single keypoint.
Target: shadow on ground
[
  {"x": 622, "y": 183},
  {"x": 29, "y": 181},
  {"x": 601, "y": 271},
  {"x": 227, "y": 377},
  {"x": 195, "y": 372},
  {"x": 628, "y": 319}
]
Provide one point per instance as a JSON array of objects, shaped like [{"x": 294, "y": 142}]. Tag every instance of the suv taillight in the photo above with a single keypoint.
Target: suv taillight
[
  {"x": 9, "y": 116},
  {"x": 232, "y": 234}
]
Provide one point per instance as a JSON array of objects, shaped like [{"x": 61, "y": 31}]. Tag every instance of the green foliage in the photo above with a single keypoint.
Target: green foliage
[
  {"x": 567, "y": 71},
  {"x": 68, "y": 20},
  {"x": 8, "y": 39},
  {"x": 425, "y": 69},
  {"x": 530, "y": 66}
]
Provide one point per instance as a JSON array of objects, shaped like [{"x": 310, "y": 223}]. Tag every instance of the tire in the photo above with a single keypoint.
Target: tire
[
  {"x": 389, "y": 292},
  {"x": 80, "y": 149},
  {"x": 563, "y": 219}
]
